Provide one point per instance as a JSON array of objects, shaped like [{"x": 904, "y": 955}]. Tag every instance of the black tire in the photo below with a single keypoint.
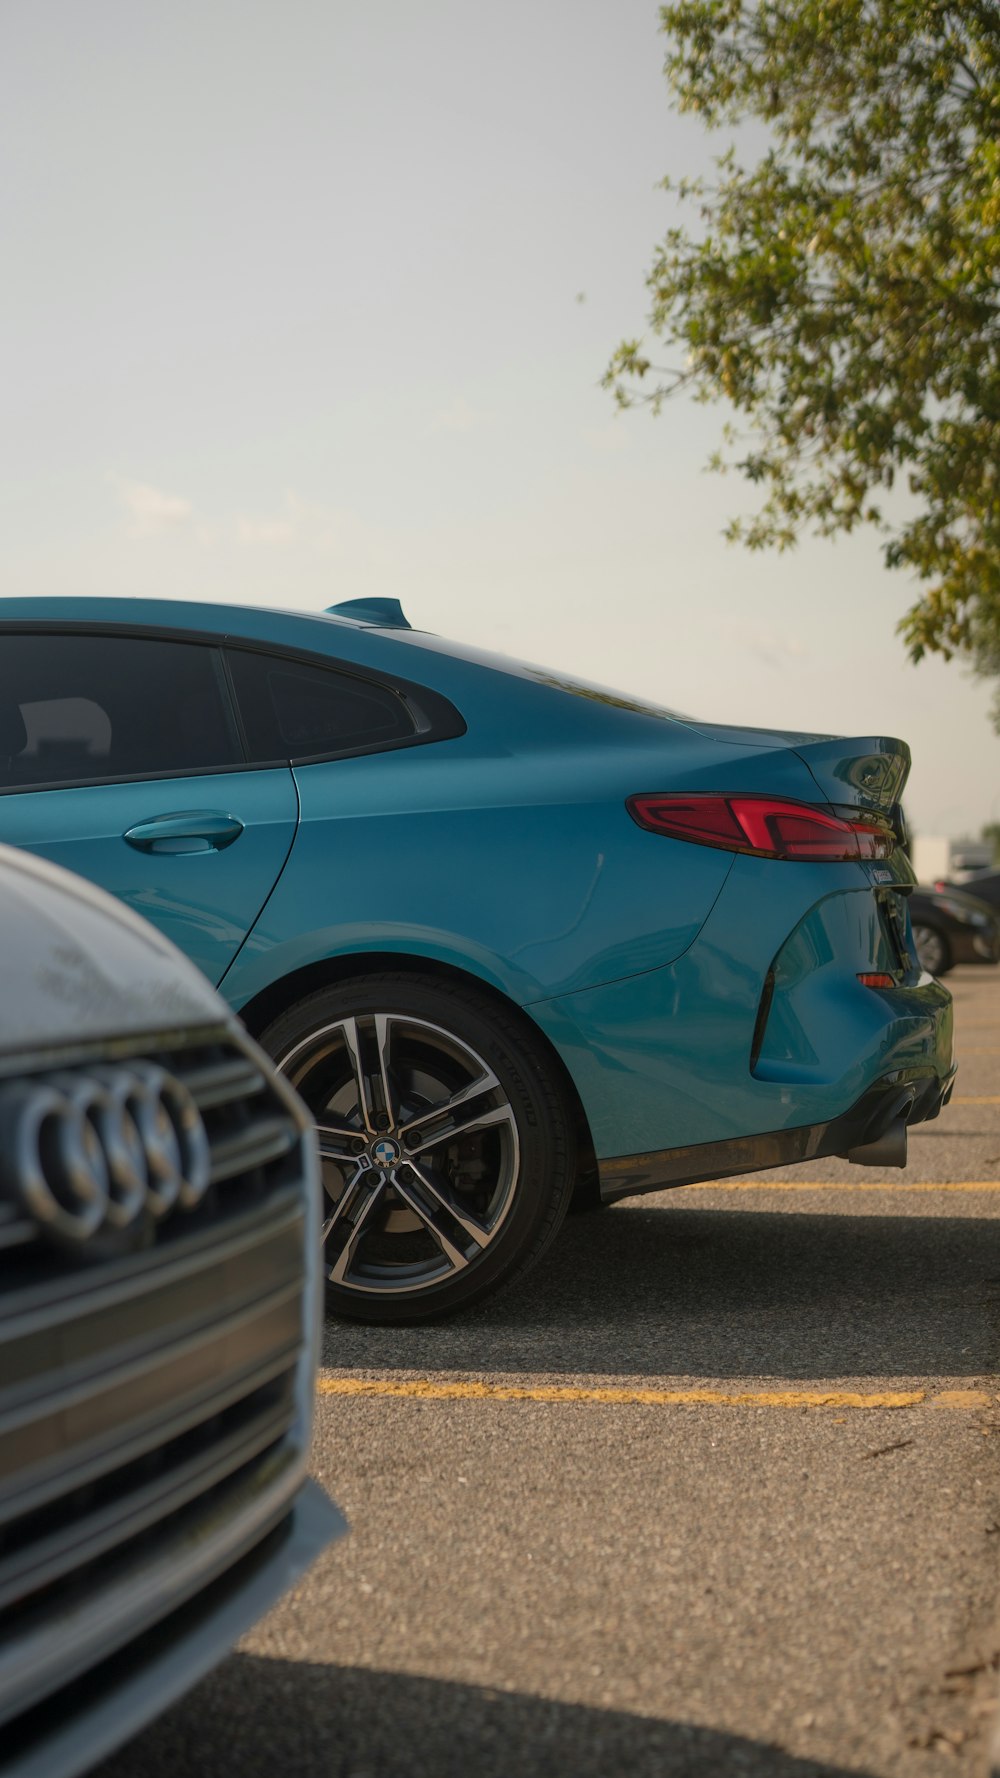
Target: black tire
[
  {"x": 423, "y": 1216},
  {"x": 932, "y": 948}
]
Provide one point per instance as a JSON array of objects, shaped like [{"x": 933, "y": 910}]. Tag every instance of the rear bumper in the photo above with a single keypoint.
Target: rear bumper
[
  {"x": 762, "y": 1026},
  {"x": 70, "y": 1732},
  {"x": 844, "y": 1137}
]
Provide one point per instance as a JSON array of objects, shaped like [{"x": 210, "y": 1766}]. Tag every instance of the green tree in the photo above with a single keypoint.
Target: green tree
[{"x": 843, "y": 292}]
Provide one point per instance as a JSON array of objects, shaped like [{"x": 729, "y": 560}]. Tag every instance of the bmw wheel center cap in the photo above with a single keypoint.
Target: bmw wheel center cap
[{"x": 385, "y": 1152}]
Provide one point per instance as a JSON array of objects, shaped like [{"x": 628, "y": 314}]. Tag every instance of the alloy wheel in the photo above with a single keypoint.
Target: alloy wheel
[{"x": 419, "y": 1149}]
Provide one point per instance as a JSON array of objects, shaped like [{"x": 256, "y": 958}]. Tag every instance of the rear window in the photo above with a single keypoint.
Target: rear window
[{"x": 293, "y": 710}]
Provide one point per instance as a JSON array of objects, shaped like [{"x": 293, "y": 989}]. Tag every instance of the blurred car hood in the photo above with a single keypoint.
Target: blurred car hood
[{"x": 76, "y": 965}]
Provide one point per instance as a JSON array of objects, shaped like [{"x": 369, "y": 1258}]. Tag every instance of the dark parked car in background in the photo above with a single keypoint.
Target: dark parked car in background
[
  {"x": 159, "y": 1318},
  {"x": 951, "y": 926},
  {"x": 984, "y": 886}
]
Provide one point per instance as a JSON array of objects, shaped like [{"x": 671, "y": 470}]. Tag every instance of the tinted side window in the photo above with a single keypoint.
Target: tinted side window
[
  {"x": 79, "y": 708},
  {"x": 293, "y": 710}
]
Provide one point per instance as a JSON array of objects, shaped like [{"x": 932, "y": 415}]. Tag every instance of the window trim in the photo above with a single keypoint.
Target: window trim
[
  {"x": 421, "y": 722},
  {"x": 434, "y": 715}
]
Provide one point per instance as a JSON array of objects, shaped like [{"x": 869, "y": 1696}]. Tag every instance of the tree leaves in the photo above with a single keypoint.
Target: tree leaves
[{"x": 844, "y": 293}]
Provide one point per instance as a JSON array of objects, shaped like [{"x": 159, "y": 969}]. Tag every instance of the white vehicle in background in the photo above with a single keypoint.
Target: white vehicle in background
[
  {"x": 936, "y": 858},
  {"x": 159, "y": 1320}
]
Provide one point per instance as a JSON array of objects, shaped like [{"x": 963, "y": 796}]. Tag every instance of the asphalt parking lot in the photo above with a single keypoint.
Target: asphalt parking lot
[{"x": 716, "y": 1489}]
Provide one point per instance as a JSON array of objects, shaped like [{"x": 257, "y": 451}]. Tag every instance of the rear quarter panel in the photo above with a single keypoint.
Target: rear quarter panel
[{"x": 524, "y": 869}]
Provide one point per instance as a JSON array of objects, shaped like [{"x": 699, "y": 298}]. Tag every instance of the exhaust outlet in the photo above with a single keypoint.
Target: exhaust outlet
[
  {"x": 885, "y": 1138},
  {"x": 887, "y": 1150}
]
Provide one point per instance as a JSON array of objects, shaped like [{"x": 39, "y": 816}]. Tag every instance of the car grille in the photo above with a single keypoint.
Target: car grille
[{"x": 153, "y": 1388}]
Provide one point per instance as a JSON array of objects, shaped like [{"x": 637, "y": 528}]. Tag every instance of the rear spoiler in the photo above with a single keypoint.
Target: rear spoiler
[{"x": 867, "y": 772}]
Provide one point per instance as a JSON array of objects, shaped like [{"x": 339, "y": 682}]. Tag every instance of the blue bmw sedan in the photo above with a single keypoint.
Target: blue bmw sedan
[{"x": 514, "y": 938}]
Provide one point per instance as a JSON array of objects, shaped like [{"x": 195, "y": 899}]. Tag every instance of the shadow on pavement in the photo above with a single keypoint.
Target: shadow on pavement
[
  {"x": 708, "y": 1293},
  {"x": 258, "y": 1718}
]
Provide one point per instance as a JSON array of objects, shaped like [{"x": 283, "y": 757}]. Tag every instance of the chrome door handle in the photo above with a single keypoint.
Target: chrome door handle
[{"x": 191, "y": 830}]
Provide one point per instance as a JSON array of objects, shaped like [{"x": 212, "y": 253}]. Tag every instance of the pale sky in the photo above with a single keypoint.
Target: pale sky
[{"x": 291, "y": 315}]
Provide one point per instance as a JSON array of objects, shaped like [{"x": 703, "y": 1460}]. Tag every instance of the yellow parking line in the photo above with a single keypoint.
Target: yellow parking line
[
  {"x": 975, "y": 1050},
  {"x": 427, "y": 1389},
  {"x": 763, "y": 1184},
  {"x": 976, "y": 1099}
]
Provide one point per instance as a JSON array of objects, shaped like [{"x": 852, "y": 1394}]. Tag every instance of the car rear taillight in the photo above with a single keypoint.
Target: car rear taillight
[
  {"x": 877, "y": 978},
  {"x": 766, "y": 826}
]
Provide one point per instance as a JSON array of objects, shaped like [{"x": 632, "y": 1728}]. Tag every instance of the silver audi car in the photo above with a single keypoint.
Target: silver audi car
[{"x": 159, "y": 1319}]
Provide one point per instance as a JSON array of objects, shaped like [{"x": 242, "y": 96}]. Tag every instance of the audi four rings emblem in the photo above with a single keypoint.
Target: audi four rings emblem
[{"x": 93, "y": 1152}]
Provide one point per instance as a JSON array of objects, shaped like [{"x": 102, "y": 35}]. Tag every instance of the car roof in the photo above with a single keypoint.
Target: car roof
[
  {"x": 451, "y": 667},
  {"x": 193, "y": 615}
]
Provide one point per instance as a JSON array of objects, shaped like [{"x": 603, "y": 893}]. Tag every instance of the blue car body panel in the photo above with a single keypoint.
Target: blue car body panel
[
  {"x": 449, "y": 858},
  {"x": 206, "y": 901},
  {"x": 694, "y": 996},
  {"x": 665, "y": 1060}
]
